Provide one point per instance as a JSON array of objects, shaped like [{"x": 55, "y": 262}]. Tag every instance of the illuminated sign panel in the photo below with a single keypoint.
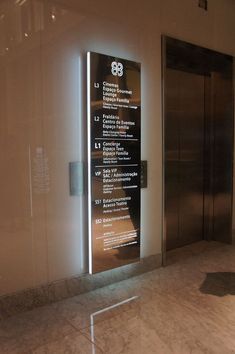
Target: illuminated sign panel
[{"x": 113, "y": 161}]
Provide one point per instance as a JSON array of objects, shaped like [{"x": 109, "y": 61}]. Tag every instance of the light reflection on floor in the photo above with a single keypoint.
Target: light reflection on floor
[{"x": 177, "y": 309}]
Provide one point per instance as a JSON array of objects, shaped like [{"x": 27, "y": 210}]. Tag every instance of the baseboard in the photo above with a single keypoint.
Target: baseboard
[{"x": 29, "y": 299}]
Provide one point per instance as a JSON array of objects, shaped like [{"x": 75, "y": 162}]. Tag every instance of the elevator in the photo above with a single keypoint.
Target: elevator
[{"x": 198, "y": 144}]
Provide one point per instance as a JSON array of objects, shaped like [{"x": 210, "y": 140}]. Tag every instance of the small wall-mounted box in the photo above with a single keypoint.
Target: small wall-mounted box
[
  {"x": 144, "y": 174},
  {"x": 76, "y": 178}
]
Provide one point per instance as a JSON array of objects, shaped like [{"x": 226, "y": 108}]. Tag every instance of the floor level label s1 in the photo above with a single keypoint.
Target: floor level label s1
[{"x": 114, "y": 121}]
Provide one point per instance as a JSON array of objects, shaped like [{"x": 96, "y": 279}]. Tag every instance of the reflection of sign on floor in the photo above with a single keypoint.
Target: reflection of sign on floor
[
  {"x": 114, "y": 161},
  {"x": 41, "y": 177},
  {"x": 101, "y": 312}
]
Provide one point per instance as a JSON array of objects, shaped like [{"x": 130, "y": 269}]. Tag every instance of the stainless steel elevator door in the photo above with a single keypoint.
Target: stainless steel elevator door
[
  {"x": 184, "y": 153},
  {"x": 222, "y": 92},
  {"x": 198, "y": 106}
]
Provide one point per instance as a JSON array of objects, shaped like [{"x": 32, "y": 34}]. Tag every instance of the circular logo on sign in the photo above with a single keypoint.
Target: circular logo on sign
[{"x": 117, "y": 68}]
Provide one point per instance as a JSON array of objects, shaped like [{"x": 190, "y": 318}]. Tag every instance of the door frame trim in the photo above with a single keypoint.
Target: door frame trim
[{"x": 163, "y": 67}]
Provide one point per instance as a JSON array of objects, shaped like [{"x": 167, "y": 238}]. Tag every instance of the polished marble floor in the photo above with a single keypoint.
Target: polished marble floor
[{"x": 187, "y": 307}]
